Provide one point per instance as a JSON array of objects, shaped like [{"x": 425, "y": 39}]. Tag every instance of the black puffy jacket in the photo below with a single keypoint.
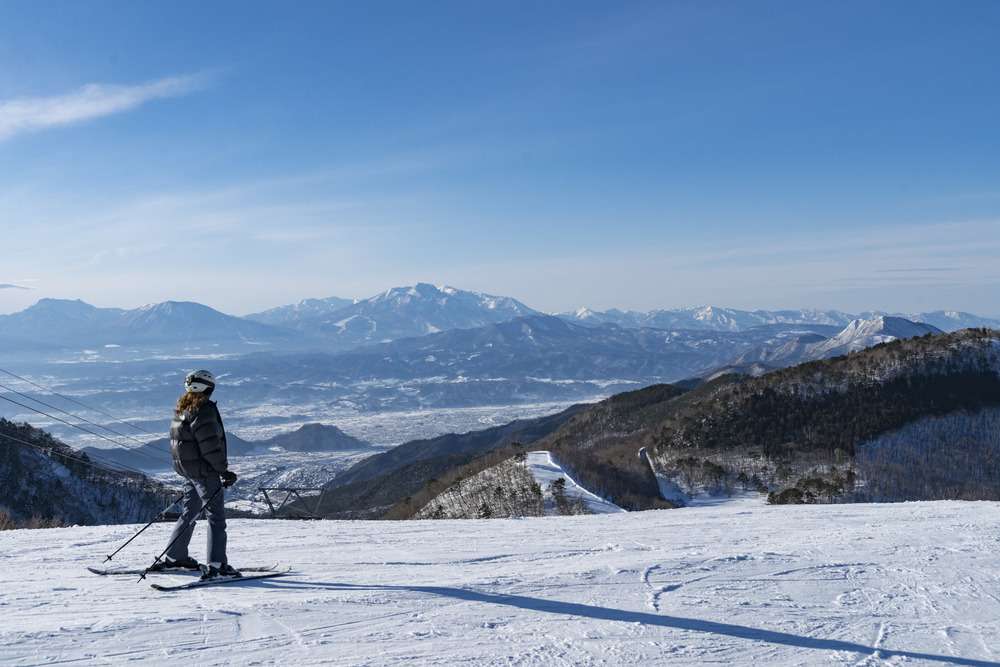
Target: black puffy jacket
[{"x": 198, "y": 442}]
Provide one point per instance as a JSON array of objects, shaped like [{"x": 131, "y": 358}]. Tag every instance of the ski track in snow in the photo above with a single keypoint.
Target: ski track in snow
[{"x": 910, "y": 583}]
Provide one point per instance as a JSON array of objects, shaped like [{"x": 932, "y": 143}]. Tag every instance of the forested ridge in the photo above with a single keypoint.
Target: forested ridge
[
  {"x": 793, "y": 433},
  {"x": 46, "y": 482},
  {"x": 834, "y": 404}
]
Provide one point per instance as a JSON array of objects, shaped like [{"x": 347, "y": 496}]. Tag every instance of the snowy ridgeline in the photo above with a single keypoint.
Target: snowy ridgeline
[
  {"x": 522, "y": 486},
  {"x": 912, "y": 583},
  {"x": 966, "y": 351}
]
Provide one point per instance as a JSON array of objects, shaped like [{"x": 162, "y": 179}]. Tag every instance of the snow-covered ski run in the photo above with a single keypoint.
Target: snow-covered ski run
[
  {"x": 546, "y": 471},
  {"x": 737, "y": 583}
]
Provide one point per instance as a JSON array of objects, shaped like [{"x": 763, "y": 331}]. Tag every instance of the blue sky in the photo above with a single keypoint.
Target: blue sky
[{"x": 639, "y": 155}]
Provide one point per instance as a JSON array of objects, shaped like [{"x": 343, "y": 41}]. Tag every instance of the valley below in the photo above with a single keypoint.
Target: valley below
[{"x": 260, "y": 408}]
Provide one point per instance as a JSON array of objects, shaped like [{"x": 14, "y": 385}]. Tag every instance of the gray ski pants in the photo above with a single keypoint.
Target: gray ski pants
[{"x": 197, "y": 492}]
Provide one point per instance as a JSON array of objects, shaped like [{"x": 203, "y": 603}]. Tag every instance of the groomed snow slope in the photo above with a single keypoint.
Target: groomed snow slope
[
  {"x": 907, "y": 584},
  {"x": 545, "y": 471}
]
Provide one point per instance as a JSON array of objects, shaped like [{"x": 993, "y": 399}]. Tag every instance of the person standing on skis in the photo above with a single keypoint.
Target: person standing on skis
[{"x": 198, "y": 448}]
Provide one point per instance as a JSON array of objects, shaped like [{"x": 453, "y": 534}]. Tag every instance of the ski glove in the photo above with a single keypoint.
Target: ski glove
[{"x": 228, "y": 478}]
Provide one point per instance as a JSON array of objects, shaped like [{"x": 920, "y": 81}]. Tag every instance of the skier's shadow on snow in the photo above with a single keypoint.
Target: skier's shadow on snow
[{"x": 609, "y": 614}]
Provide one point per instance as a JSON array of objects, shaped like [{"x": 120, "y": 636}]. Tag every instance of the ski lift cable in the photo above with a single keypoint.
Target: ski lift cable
[
  {"x": 107, "y": 466},
  {"x": 106, "y": 463},
  {"x": 87, "y": 421},
  {"x": 77, "y": 426},
  {"x": 75, "y": 416},
  {"x": 52, "y": 391}
]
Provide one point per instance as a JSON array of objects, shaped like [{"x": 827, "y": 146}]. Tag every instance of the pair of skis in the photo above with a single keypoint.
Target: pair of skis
[{"x": 254, "y": 573}]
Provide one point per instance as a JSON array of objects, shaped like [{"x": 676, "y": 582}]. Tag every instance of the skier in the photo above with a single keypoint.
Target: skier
[{"x": 198, "y": 447}]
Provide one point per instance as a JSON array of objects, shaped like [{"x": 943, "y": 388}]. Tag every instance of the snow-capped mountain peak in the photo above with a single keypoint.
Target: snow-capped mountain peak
[
  {"x": 862, "y": 333},
  {"x": 398, "y": 312}
]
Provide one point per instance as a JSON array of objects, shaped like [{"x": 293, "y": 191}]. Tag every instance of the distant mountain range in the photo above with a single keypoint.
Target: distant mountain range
[
  {"x": 75, "y": 324},
  {"x": 711, "y": 318},
  {"x": 530, "y": 359},
  {"x": 707, "y": 318},
  {"x": 334, "y": 324},
  {"x": 426, "y": 347}
]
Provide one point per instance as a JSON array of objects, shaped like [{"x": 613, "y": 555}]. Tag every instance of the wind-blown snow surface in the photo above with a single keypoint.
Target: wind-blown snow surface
[{"x": 912, "y": 584}]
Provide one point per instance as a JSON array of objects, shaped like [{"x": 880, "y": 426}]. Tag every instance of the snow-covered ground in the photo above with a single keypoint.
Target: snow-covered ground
[
  {"x": 915, "y": 584},
  {"x": 546, "y": 471}
]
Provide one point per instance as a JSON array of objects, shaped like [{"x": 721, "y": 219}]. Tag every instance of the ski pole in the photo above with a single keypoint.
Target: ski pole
[
  {"x": 190, "y": 523},
  {"x": 158, "y": 516}
]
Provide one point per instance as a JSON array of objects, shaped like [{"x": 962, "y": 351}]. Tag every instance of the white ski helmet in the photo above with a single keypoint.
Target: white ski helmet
[{"x": 198, "y": 382}]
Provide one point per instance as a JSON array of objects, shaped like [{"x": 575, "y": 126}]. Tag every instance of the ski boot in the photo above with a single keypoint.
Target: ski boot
[
  {"x": 226, "y": 571},
  {"x": 169, "y": 565}
]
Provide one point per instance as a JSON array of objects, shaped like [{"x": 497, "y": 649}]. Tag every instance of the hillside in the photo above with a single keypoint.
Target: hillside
[
  {"x": 902, "y": 584},
  {"x": 528, "y": 484},
  {"x": 599, "y": 442},
  {"x": 370, "y": 487},
  {"x": 302, "y": 315},
  {"x": 41, "y": 477},
  {"x": 315, "y": 438},
  {"x": 796, "y": 432}
]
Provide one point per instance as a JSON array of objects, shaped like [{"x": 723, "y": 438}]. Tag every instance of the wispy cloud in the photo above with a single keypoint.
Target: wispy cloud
[
  {"x": 926, "y": 269},
  {"x": 11, "y": 286},
  {"x": 27, "y": 114}
]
